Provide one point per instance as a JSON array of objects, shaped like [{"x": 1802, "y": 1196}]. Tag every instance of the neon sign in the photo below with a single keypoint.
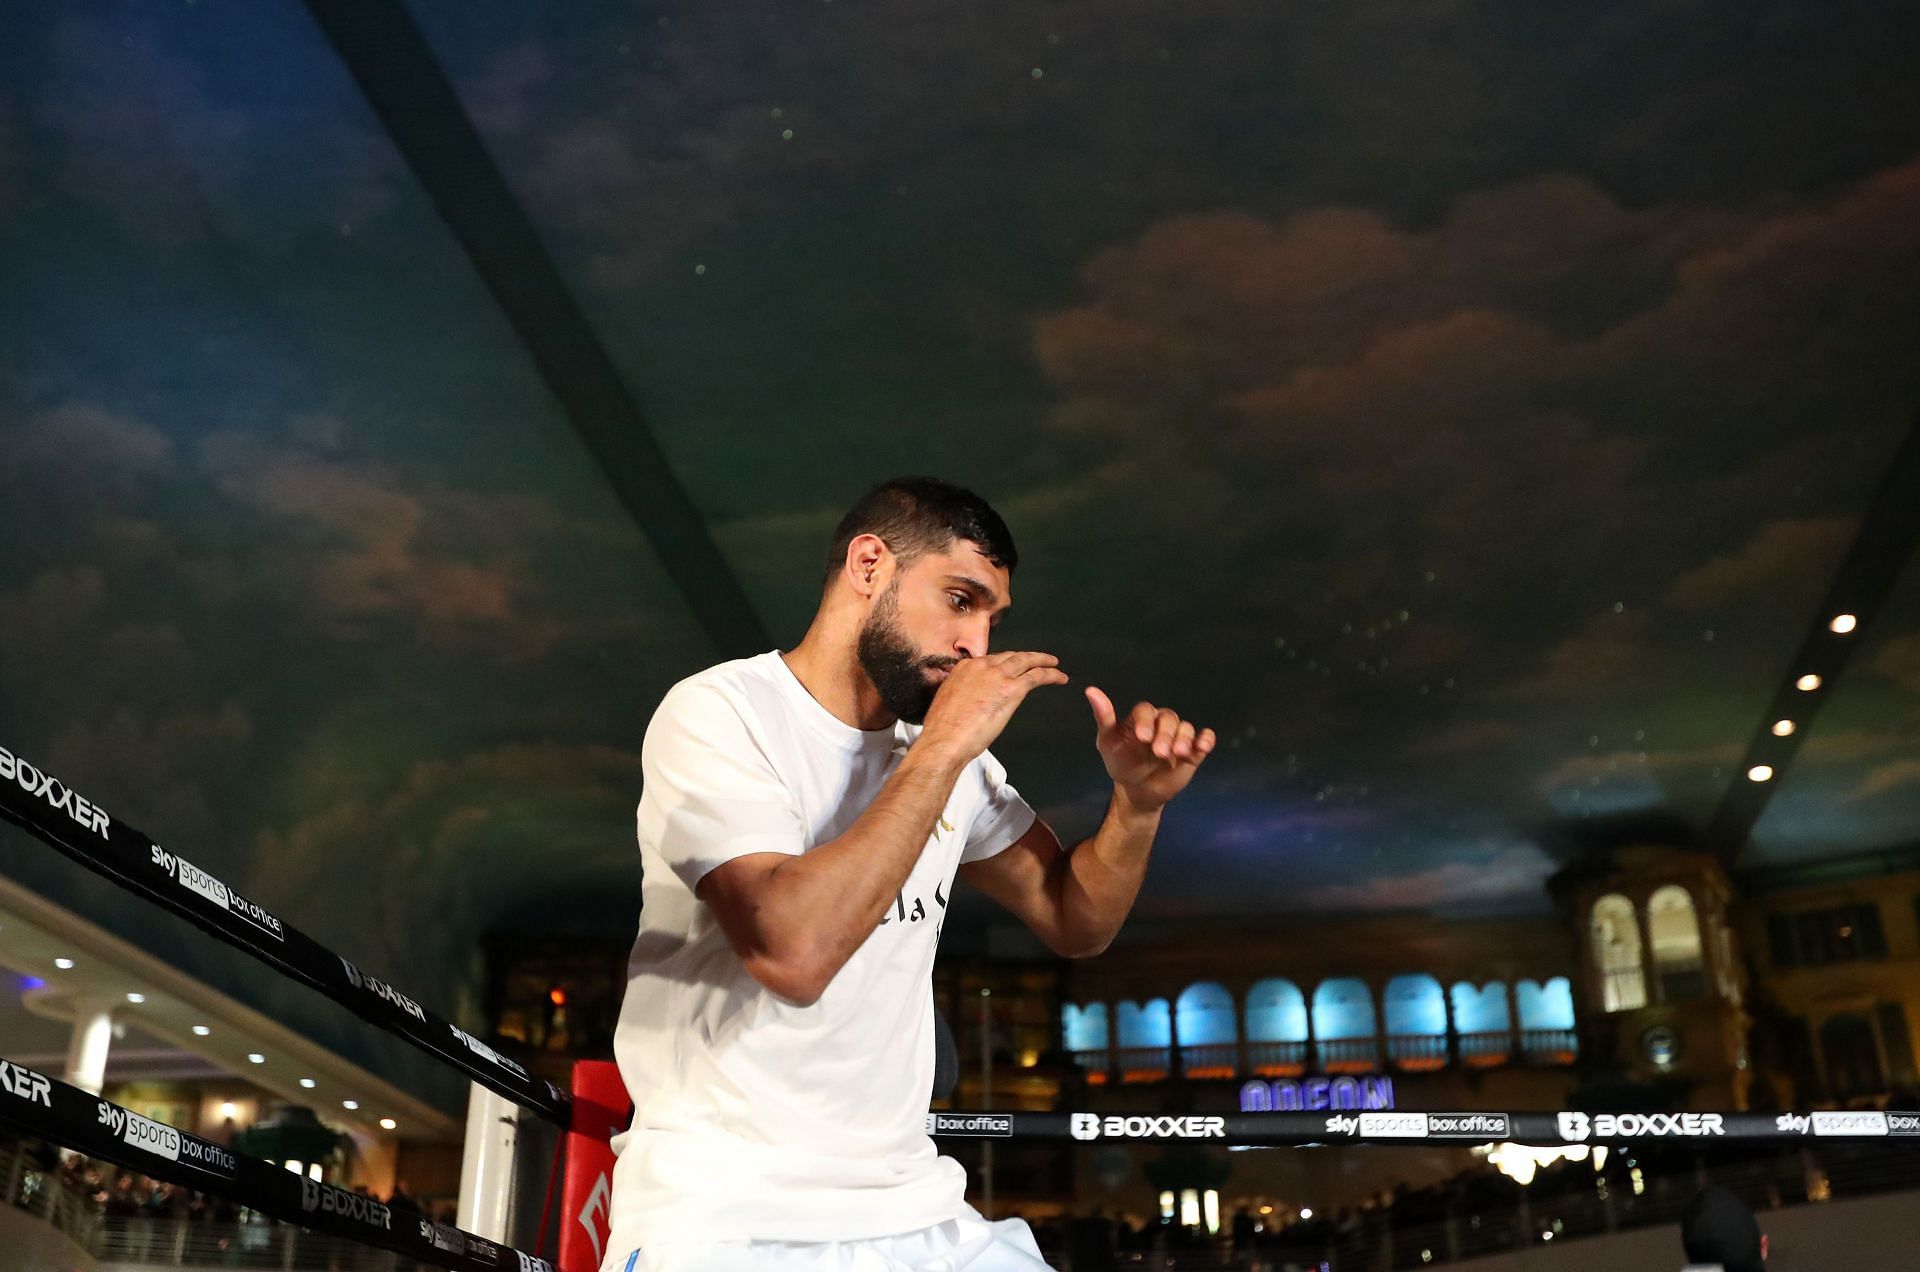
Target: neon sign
[{"x": 1305, "y": 1095}]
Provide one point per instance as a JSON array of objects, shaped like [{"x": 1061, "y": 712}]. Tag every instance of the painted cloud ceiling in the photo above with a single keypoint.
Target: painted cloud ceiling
[{"x": 1462, "y": 407}]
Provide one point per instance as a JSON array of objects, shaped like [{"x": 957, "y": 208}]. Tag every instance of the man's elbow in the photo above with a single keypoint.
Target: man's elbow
[
  {"x": 1086, "y": 947},
  {"x": 790, "y": 980}
]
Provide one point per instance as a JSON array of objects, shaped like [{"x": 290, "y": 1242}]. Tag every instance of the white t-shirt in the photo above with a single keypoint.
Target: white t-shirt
[{"x": 755, "y": 1118}]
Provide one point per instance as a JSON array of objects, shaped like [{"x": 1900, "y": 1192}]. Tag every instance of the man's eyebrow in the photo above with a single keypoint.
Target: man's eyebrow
[{"x": 982, "y": 592}]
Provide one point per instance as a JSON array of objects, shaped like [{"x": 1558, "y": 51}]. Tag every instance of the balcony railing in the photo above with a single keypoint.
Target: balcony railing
[
  {"x": 1348, "y": 1055},
  {"x": 1277, "y": 1059},
  {"x": 1417, "y": 1053},
  {"x": 1212, "y": 1060},
  {"x": 180, "y": 1243},
  {"x": 1092, "y": 1065},
  {"x": 1486, "y": 1050},
  {"x": 46, "y": 1193},
  {"x": 1143, "y": 1064},
  {"x": 1404, "y": 1053},
  {"x": 1549, "y": 1046}
]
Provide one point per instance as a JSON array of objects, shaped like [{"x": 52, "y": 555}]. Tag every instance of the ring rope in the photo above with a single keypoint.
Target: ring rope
[
  {"x": 59, "y": 816},
  {"x": 52, "y": 1110},
  {"x": 1408, "y": 1128}
]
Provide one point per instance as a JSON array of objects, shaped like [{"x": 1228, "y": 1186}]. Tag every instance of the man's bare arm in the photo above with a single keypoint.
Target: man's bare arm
[
  {"x": 1075, "y": 902},
  {"x": 796, "y": 920}
]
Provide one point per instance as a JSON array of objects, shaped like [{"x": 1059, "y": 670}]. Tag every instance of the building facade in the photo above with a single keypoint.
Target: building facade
[{"x": 1657, "y": 980}]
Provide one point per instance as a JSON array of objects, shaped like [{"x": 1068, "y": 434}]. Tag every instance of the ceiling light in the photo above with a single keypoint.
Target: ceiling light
[
  {"x": 1807, "y": 683},
  {"x": 229, "y": 1110},
  {"x": 255, "y": 1057},
  {"x": 136, "y": 999},
  {"x": 64, "y": 964},
  {"x": 1782, "y": 728},
  {"x": 1842, "y": 624},
  {"x": 308, "y": 1083},
  {"x": 349, "y": 1104},
  {"x": 1760, "y": 773},
  {"x": 201, "y": 1031},
  {"x": 388, "y": 1124}
]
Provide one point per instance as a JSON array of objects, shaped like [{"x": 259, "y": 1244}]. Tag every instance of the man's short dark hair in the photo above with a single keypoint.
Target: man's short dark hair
[
  {"x": 1720, "y": 1228},
  {"x": 917, "y": 515}
]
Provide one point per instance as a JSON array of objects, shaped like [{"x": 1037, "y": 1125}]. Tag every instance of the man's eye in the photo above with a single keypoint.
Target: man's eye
[{"x": 961, "y": 600}]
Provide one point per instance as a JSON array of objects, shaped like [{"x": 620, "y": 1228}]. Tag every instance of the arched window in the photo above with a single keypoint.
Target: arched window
[
  {"x": 1145, "y": 1050},
  {"x": 1852, "y": 1057},
  {"x": 1548, "y": 1006},
  {"x": 1277, "y": 1028},
  {"x": 1343, "y": 1026},
  {"x": 1616, "y": 955},
  {"x": 1205, "y": 1013},
  {"x": 1546, "y": 1021},
  {"x": 1416, "y": 1012},
  {"x": 1207, "y": 1030},
  {"x": 1085, "y": 1031},
  {"x": 1675, "y": 932},
  {"x": 1485, "y": 1026}
]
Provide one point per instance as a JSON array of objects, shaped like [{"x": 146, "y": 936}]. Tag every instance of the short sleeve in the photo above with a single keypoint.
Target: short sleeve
[
  {"x": 711, "y": 794},
  {"x": 1002, "y": 819}
]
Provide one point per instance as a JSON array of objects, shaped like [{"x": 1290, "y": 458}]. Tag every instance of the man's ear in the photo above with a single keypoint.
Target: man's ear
[{"x": 866, "y": 556}]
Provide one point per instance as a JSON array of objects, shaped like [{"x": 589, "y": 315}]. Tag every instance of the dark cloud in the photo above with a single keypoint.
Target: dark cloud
[
  {"x": 1807, "y": 548},
  {"x": 1500, "y": 875}
]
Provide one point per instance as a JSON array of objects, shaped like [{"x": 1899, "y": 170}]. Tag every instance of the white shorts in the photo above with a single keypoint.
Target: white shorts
[{"x": 967, "y": 1242}]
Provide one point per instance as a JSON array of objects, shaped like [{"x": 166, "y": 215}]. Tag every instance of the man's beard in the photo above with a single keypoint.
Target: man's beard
[{"x": 894, "y": 666}]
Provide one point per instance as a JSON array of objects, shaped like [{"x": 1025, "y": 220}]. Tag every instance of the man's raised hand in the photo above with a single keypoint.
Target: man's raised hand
[
  {"x": 979, "y": 697},
  {"x": 1152, "y": 754}
]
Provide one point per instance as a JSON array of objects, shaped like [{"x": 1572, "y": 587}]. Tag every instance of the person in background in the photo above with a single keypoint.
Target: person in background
[
  {"x": 1719, "y": 1234},
  {"x": 402, "y": 1202}
]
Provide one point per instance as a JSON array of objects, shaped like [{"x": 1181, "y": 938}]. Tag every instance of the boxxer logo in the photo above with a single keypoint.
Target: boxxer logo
[
  {"x": 325, "y": 1199},
  {"x": 380, "y": 989},
  {"x": 63, "y": 798},
  {"x": 25, "y": 1084},
  {"x": 1635, "y": 1125},
  {"x": 1574, "y": 1126},
  {"x": 1091, "y": 1126}
]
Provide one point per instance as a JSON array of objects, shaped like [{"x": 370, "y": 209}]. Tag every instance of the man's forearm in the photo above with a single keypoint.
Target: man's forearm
[
  {"x": 821, "y": 906},
  {"x": 1100, "y": 878}
]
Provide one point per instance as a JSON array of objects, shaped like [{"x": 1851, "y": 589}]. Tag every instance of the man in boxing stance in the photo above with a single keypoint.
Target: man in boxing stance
[{"x": 802, "y": 820}]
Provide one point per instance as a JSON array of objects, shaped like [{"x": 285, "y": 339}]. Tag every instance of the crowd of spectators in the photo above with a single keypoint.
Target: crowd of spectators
[
  {"x": 117, "y": 1194},
  {"x": 1477, "y": 1212}
]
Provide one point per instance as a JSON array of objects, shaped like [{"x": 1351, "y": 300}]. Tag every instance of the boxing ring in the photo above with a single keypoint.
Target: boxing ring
[{"x": 596, "y": 1107}]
